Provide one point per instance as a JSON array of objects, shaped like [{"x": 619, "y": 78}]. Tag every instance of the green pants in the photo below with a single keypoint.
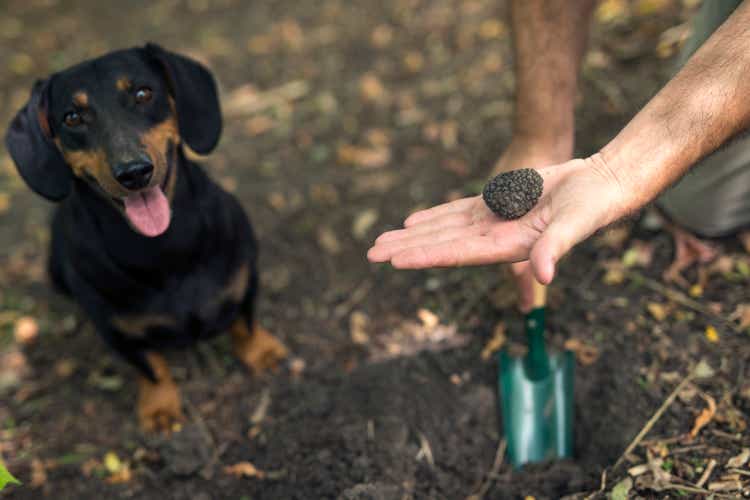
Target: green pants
[{"x": 713, "y": 199}]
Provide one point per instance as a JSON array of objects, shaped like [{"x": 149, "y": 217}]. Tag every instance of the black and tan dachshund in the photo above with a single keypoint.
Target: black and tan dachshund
[{"x": 155, "y": 252}]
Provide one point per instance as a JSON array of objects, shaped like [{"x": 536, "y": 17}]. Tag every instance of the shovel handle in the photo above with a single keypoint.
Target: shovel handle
[{"x": 537, "y": 359}]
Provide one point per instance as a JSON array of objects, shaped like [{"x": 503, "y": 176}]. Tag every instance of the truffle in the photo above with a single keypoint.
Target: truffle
[{"x": 512, "y": 194}]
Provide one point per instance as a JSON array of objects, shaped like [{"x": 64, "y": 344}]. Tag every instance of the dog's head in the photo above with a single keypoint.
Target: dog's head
[{"x": 116, "y": 122}]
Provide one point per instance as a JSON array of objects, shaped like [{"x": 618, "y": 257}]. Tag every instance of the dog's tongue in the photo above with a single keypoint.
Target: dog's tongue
[{"x": 148, "y": 211}]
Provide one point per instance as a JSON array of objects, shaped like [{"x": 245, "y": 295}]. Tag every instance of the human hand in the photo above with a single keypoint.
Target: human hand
[{"x": 579, "y": 197}]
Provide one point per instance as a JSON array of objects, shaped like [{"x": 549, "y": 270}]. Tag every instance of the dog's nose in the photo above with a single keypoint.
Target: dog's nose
[{"x": 134, "y": 174}]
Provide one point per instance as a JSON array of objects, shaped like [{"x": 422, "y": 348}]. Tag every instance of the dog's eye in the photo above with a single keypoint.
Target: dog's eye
[
  {"x": 143, "y": 94},
  {"x": 72, "y": 119}
]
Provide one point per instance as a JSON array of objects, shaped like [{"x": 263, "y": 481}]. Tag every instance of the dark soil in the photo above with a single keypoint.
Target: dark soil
[{"x": 360, "y": 112}]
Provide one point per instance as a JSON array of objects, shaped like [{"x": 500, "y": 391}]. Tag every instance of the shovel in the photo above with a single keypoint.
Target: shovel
[{"x": 536, "y": 395}]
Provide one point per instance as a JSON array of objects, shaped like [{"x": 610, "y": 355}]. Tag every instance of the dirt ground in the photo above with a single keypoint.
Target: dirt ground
[{"x": 341, "y": 116}]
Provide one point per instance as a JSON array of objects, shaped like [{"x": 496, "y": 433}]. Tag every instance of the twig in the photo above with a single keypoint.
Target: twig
[
  {"x": 707, "y": 473},
  {"x": 652, "y": 421},
  {"x": 492, "y": 474},
  {"x": 684, "y": 487},
  {"x": 679, "y": 297},
  {"x": 602, "y": 486}
]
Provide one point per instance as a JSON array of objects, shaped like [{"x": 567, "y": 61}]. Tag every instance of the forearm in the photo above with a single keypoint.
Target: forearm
[
  {"x": 549, "y": 39},
  {"x": 703, "y": 106}
]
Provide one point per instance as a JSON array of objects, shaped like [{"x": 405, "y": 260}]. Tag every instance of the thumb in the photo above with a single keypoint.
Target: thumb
[{"x": 552, "y": 245}]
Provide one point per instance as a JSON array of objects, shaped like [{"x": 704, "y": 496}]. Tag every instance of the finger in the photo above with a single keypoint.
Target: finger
[
  {"x": 450, "y": 220},
  {"x": 555, "y": 242},
  {"x": 446, "y": 208},
  {"x": 383, "y": 252},
  {"x": 510, "y": 246}
]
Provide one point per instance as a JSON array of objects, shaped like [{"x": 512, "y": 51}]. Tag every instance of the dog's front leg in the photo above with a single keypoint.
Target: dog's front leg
[{"x": 159, "y": 403}]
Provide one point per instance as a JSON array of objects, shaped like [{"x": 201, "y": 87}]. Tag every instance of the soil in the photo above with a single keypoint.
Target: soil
[{"x": 340, "y": 118}]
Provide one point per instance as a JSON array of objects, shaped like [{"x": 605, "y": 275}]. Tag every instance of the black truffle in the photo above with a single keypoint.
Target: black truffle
[{"x": 512, "y": 194}]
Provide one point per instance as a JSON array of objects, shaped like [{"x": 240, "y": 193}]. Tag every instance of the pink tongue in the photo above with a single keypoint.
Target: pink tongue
[{"x": 148, "y": 211}]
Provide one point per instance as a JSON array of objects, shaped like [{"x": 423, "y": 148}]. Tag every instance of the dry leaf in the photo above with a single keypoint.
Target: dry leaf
[
  {"x": 428, "y": 318},
  {"x": 38, "y": 473},
  {"x": 650, "y": 7},
  {"x": 611, "y": 10},
  {"x": 740, "y": 460},
  {"x": 495, "y": 343},
  {"x": 244, "y": 469},
  {"x": 25, "y": 330},
  {"x": 359, "y": 326},
  {"x": 371, "y": 89},
  {"x": 381, "y": 36},
  {"x": 364, "y": 157},
  {"x": 705, "y": 416},
  {"x": 328, "y": 240},
  {"x": 711, "y": 334},
  {"x": 742, "y": 315},
  {"x": 640, "y": 254},
  {"x": 614, "y": 238},
  {"x": 725, "y": 485},
  {"x": 364, "y": 222},
  {"x": 657, "y": 310},
  {"x": 585, "y": 353},
  {"x": 491, "y": 28}
]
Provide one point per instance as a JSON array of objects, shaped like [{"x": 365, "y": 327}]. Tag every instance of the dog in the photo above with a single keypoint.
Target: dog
[{"x": 156, "y": 254}]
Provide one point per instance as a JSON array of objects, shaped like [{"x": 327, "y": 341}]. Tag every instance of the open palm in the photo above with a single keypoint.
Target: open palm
[{"x": 579, "y": 197}]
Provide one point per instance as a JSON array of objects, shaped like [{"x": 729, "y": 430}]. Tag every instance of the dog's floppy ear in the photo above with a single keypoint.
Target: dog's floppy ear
[
  {"x": 29, "y": 142},
  {"x": 196, "y": 97}
]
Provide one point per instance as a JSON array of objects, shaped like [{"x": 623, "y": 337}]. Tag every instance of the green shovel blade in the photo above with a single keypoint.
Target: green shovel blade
[{"x": 536, "y": 395}]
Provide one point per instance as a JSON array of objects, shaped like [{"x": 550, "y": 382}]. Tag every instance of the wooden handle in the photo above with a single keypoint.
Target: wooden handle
[{"x": 540, "y": 294}]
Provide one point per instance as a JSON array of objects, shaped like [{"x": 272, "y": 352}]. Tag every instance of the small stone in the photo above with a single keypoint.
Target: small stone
[{"x": 511, "y": 195}]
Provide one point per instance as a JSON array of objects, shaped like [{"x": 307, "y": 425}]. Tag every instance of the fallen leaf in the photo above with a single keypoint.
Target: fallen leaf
[
  {"x": 650, "y": 7},
  {"x": 297, "y": 366},
  {"x": 381, "y": 36},
  {"x": 740, "y": 460},
  {"x": 363, "y": 222},
  {"x": 244, "y": 469},
  {"x": 622, "y": 489},
  {"x": 495, "y": 343},
  {"x": 657, "y": 310},
  {"x": 614, "y": 238},
  {"x": 705, "y": 416},
  {"x": 112, "y": 462},
  {"x": 703, "y": 370},
  {"x": 373, "y": 157},
  {"x": 371, "y": 89},
  {"x": 725, "y": 485},
  {"x": 25, "y": 330},
  {"x": 711, "y": 334},
  {"x": 742, "y": 315},
  {"x": 491, "y": 28},
  {"x": 640, "y": 254},
  {"x": 6, "y": 477},
  {"x": 585, "y": 353},
  {"x": 428, "y": 318},
  {"x": 359, "y": 325},
  {"x": 328, "y": 240},
  {"x": 413, "y": 61},
  {"x": 611, "y": 10}
]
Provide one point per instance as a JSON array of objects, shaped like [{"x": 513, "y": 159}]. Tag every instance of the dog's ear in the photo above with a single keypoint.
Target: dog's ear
[
  {"x": 194, "y": 91},
  {"x": 29, "y": 142}
]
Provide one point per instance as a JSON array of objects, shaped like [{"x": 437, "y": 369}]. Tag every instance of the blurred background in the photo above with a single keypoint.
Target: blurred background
[{"x": 340, "y": 118}]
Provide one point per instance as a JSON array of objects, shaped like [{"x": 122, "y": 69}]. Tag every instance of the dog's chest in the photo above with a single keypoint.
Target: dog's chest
[{"x": 188, "y": 307}]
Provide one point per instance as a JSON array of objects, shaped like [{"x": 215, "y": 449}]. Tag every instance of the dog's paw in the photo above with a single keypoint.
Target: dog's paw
[
  {"x": 260, "y": 351},
  {"x": 159, "y": 407}
]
